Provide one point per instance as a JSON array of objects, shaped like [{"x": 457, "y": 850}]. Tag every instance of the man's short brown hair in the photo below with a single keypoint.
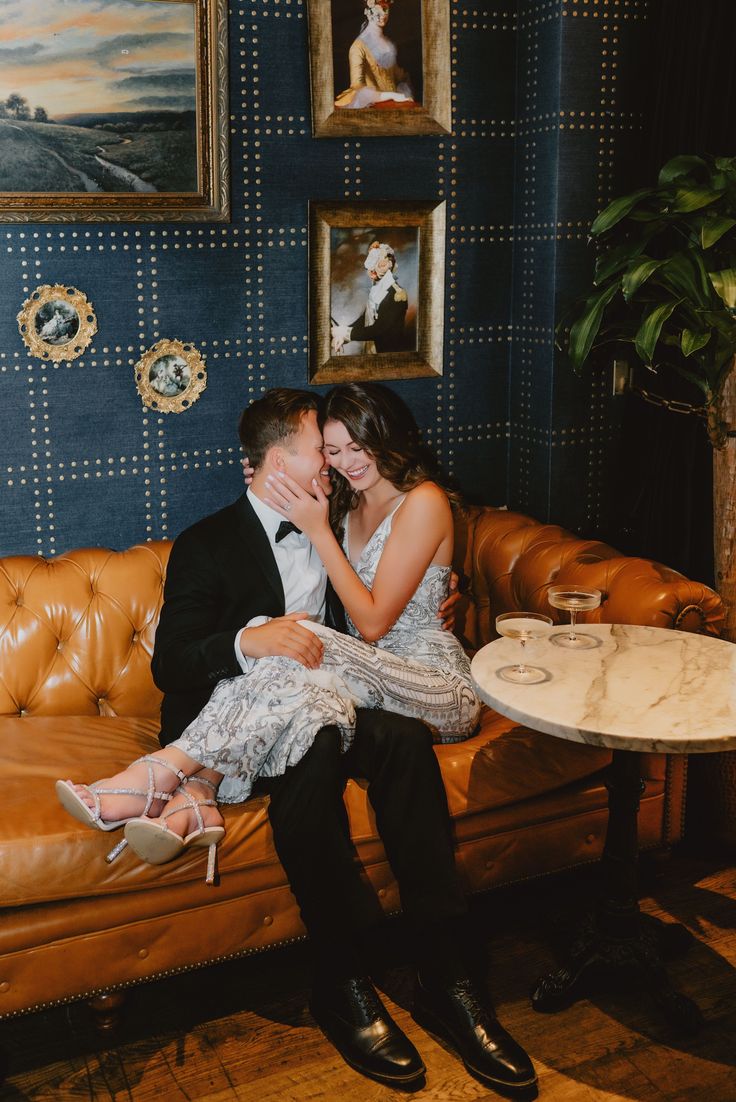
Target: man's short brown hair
[{"x": 273, "y": 419}]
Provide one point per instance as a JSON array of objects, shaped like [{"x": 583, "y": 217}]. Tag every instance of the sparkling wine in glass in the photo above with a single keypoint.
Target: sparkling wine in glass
[
  {"x": 523, "y": 626},
  {"x": 574, "y": 599}
]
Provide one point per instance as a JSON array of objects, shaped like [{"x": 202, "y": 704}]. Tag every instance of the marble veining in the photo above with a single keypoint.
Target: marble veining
[{"x": 647, "y": 689}]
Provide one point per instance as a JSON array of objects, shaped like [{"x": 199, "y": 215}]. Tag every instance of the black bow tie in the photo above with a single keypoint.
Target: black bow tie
[{"x": 284, "y": 528}]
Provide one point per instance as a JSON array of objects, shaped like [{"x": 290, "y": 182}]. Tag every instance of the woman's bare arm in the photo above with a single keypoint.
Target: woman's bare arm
[{"x": 421, "y": 527}]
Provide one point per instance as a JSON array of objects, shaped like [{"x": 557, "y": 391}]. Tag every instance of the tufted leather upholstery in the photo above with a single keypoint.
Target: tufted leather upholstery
[
  {"x": 76, "y": 633},
  {"x": 512, "y": 560},
  {"x": 76, "y": 699}
]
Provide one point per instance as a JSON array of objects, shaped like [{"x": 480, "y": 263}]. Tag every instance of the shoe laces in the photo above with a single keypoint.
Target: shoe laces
[
  {"x": 469, "y": 997},
  {"x": 366, "y": 998}
]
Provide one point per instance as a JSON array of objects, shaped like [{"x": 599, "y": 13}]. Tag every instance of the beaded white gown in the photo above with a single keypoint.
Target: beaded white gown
[{"x": 262, "y": 722}]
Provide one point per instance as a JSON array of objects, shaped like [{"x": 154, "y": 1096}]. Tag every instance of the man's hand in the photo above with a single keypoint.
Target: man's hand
[
  {"x": 446, "y": 611},
  {"x": 248, "y": 471},
  {"x": 283, "y": 636}
]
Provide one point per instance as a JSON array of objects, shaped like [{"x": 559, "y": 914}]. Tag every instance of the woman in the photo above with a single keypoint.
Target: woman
[
  {"x": 375, "y": 76},
  {"x": 390, "y": 566}
]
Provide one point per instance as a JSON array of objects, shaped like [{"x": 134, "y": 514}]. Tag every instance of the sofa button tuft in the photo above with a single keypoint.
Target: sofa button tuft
[
  {"x": 19, "y": 602},
  {"x": 268, "y": 920},
  {"x": 4, "y": 987},
  {"x": 381, "y": 892},
  {"x": 142, "y": 954},
  {"x": 590, "y": 838}
]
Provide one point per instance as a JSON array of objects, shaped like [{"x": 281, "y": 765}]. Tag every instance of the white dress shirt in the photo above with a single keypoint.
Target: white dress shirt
[{"x": 303, "y": 576}]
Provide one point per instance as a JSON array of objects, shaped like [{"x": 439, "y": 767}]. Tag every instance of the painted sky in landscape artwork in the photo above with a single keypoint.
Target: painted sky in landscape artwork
[{"x": 70, "y": 56}]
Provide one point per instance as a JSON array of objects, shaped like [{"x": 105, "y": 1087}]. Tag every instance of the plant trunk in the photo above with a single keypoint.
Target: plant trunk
[
  {"x": 712, "y": 801},
  {"x": 724, "y": 509}
]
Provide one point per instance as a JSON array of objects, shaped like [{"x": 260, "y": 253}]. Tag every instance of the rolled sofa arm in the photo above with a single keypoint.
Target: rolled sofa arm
[{"x": 512, "y": 560}]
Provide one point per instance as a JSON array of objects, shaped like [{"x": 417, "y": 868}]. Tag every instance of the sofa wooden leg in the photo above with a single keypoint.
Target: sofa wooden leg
[{"x": 106, "y": 1010}]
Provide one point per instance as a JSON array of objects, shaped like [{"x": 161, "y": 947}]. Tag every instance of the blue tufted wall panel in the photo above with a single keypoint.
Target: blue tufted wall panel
[
  {"x": 82, "y": 462},
  {"x": 579, "y": 117}
]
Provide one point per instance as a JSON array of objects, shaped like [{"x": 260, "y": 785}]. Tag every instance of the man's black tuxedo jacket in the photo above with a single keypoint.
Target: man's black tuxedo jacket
[{"x": 221, "y": 574}]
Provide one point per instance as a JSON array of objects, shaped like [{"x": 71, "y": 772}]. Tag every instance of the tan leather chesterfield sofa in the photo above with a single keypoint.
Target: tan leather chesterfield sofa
[{"x": 77, "y": 699}]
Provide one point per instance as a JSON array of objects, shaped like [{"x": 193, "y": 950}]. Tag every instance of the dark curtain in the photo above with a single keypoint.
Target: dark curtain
[{"x": 665, "y": 493}]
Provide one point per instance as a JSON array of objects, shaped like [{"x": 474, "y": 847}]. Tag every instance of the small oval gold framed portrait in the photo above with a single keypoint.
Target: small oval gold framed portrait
[
  {"x": 170, "y": 376},
  {"x": 57, "y": 322}
]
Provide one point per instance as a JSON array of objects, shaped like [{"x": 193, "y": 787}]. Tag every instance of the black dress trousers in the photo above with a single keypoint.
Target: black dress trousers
[{"x": 311, "y": 833}]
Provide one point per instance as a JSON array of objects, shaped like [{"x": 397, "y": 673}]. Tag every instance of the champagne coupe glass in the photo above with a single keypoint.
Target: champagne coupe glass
[
  {"x": 523, "y": 626},
  {"x": 574, "y": 599}
]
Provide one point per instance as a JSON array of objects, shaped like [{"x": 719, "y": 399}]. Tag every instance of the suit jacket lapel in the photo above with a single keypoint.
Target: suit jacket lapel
[
  {"x": 258, "y": 547},
  {"x": 335, "y": 611}
]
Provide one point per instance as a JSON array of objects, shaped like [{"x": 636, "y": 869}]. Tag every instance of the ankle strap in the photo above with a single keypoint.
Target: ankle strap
[
  {"x": 202, "y": 780},
  {"x": 177, "y": 772}
]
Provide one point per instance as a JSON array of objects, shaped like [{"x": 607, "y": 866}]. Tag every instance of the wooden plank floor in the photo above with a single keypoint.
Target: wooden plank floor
[{"x": 240, "y": 1031}]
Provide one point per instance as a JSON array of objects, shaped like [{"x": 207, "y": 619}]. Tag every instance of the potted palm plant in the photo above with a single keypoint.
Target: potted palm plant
[{"x": 665, "y": 291}]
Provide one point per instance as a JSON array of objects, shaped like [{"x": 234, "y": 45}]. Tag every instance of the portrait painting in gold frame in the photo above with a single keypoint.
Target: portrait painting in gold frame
[
  {"x": 376, "y": 286},
  {"x": 380, "y": 67}
]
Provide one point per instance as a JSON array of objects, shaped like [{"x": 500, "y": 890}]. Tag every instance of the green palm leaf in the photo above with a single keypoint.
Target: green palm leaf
[
  {"x": 646, "y": 338},
  {"x": 725, "y": 285},
  {"x": 585, "y": 329},
  {"x": 617, "y": 210},
  {"x": 693, "y": 340},
  {"x": 714, "y": 228},
  {"x": 637, "y": 274},
  {"x": 680, "y": 166},
  {"x": 685, "y": 275},
  {"x": 615, "y": 259},
  {"x": 694, "y": 198}
]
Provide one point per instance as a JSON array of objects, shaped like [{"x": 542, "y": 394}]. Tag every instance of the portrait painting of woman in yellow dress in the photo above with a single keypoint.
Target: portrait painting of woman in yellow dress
[{"x": 384, "y": 65}]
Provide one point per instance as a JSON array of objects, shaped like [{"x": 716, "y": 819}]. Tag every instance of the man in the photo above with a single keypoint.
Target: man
[
  {"x": 237, "y": 584},
  {"x": 381, "y": 325}
]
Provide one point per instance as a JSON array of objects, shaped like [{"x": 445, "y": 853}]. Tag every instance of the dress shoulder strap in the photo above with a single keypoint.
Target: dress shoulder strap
[{"x": 396, "y": 507}]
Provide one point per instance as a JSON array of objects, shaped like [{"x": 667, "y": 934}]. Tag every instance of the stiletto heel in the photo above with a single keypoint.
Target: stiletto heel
[
  {"x": 211, "y": 864},
  {"x": 92, "y": 816},
  {"x": 115, "y": 851},
  {"x": 155, "y": 843}
]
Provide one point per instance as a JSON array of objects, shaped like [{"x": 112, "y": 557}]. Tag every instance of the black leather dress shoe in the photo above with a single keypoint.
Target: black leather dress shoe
[
  {"x": 460, "y": 1014},
  {"x": 357, "y": 1023}
]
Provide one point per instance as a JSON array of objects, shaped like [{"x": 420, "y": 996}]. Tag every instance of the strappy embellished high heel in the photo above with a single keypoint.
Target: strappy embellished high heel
[
  {"x": 155, "y": 843},
  {"x": 92, "y": 816}
]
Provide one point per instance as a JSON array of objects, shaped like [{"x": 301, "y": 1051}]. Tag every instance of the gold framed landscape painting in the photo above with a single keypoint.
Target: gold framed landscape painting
[
  {"x": 380, "y": 67},
  {"x": 113, "y": 110},
  {"x": 376, "y": 290}
]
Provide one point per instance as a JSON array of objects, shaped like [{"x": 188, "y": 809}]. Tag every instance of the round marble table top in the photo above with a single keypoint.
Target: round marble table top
[{"x": 644, "y": 689}]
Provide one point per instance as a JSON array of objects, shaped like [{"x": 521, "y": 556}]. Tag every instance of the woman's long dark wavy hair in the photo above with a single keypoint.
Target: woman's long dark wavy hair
[{"x": 379, "y": 422}]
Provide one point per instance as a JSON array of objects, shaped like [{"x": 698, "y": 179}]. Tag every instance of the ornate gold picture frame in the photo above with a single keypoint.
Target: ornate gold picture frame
[
  {"x": 57, "y": 322},
  {"x": 376, "y": 290},
  {"x": 389, "y": 75},
  {"x": 120, "y": 114},
  {"x": 170, "y": 376}
]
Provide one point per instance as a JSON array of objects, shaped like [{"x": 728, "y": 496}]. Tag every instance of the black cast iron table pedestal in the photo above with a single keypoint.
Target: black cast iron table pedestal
[{"x": 617, "y": 945}]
